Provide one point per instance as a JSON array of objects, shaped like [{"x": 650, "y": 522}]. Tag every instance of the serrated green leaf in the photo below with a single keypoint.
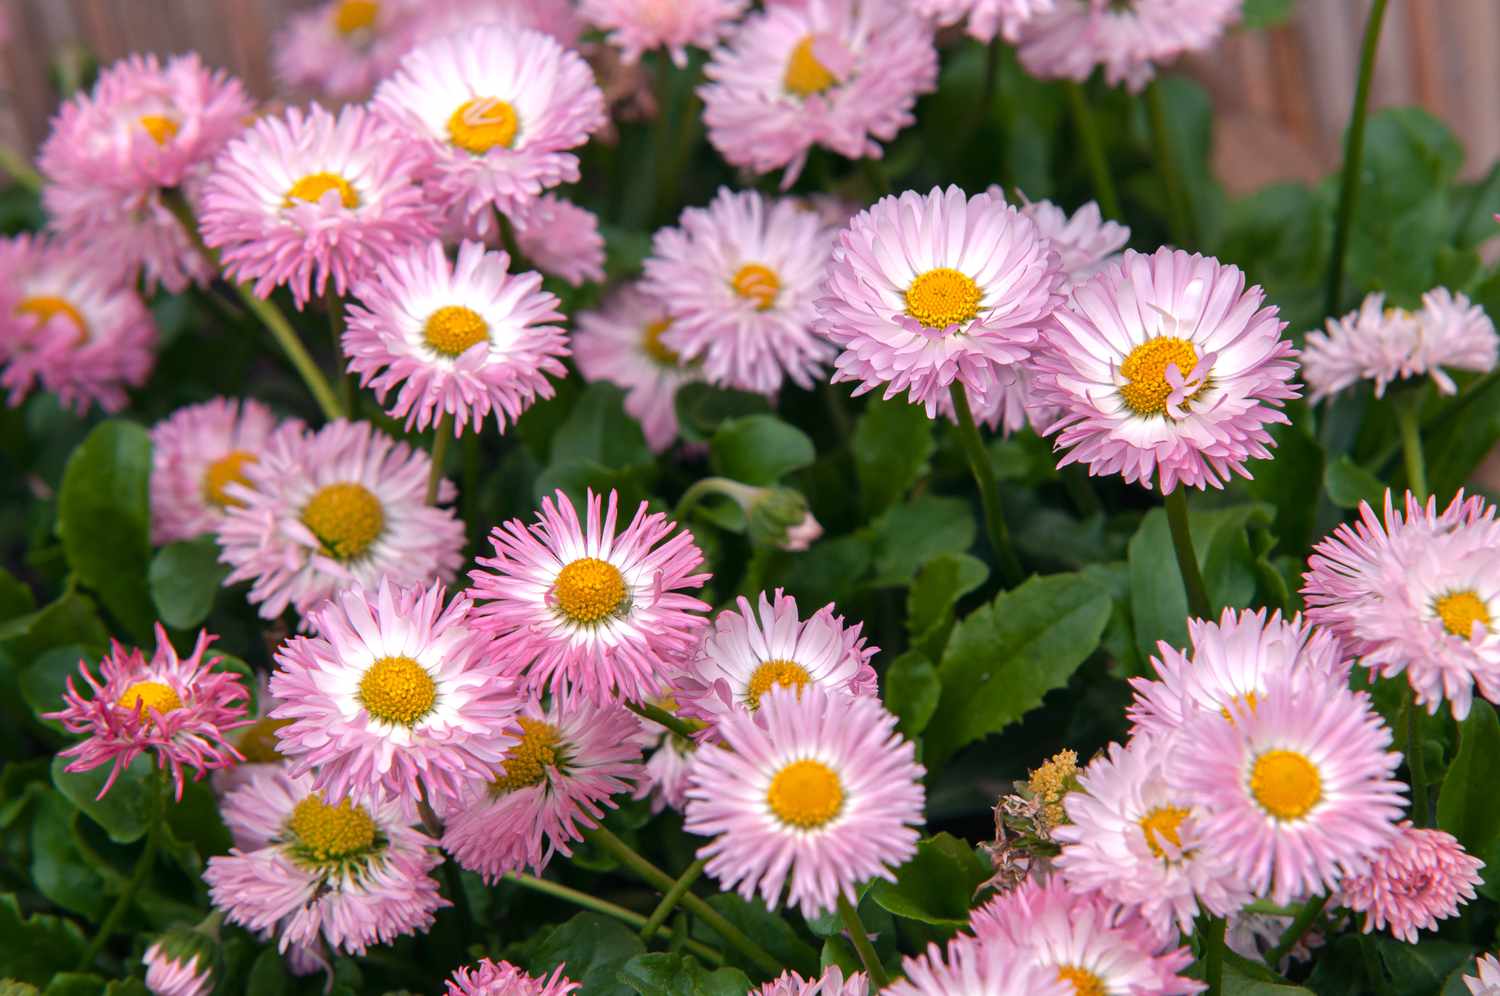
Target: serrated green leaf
[
  {"x": 759, "y": 449},
  {"x": 1468, "y": 806},
  {"x": 939, "y": 585},
  {"x": 37, "y": 947},
  {"x": 911, "y": 691},
  {"x": 892, "y": 442},
  {"x": 936, "y": 886},
  {"x": 664, "y": 974},
  {"x": 595, "y": 949},
  {"x": 125, "y": 811},
  {"x": 185, "y": 579}
]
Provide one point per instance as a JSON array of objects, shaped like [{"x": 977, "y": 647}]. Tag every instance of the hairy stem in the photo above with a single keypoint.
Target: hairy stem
[
  {"x": 441, "y": 433},
  {"x": 657, "y": 714},
  {"x": 1408, "y": 417},
  {"x": 856, "y": 929},
  {"x": 669, "y": 901},
  {"x": 989, "y": 488},
  {"x": 1187, "y": 560}
]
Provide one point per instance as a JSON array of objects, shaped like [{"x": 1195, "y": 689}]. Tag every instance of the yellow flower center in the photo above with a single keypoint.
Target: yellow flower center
[
  {"x": 44, "y": 308},
  {"x": 1460, "y": 610},
  {"x": 757, "y": 283},
  {"x": 258, "y": 742},
  {"x": 943, "y": 297},
  {"x": 161, "y": 128},
  {"x": 805, "y": 75},
  {"x": 228, "y": 469},
  {"x": 786, "y": 674},
  {"x": 331, "y": 833},
  {"x": 345, "y": 518},
  {"x": 483, "y": 123},
  {"x": 452, "y": 329},
  {"x": 313, "y": 186},
  {"x": 651, "y": 343},
  {"x": 1085, "y": 983},
  {"x": 589, "y": 589},
  {"x": 527, "y": 762},
  {"x": 1286, "y": 784},
  {"x": 1161, "y": 824},
  {"x": 355, "y": 15},
  {"x": 397, "y": 690},
  {"x": 1145, "y": 369},
  {"x": 146, "y": 695},
  {"x": 805, "y": 794}
]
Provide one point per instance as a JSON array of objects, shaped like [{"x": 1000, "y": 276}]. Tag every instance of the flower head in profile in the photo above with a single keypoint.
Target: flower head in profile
[
  {"x": 566, "y": 762},
  {"x": 306, "y": 197},
  {"x": 1166, "y": 367},
  {"x": 984, "y": 965},
  {"x": 831, "y": 982},
  {"x": 1487, "y": 981},
  {"x": 986, "y": 18},
  {"x": 464, "y": 339},
  {"x": 560, "y": 238},
  {"x": 492, "y": 978},
  {"x": 739, "y": 279},
  {"x": 310, "y": 871},
  {"x": 340, "y": 49},
  {"x": 1416, "y": 591},
  {"x": 926, "y": 291},
  {"x": 816, "y": 794},
  {"x": 184, "y": 961},
  {"x": 639, "y": 26},
  {"x": 178, "y": 708},
  {"x": 1422, "y": 877},
  {"x": 578, "y": 605},
  {"x": 342, "y": 506},
  {"x": 840, "y": 74}
]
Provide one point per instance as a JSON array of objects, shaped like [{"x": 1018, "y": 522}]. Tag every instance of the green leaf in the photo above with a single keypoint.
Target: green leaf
[
  {"x": 759, "y": 449},
  {"x": 598, "y": 430},
  {"x": 1420, "y": 968},
  {"x": 125, "y": 811},
  {"x": 769, "y": 930},
  {"x": 15, "y": 597},
  {"x": 937, "y": 885},
  {"x": 43, "y": 683},
  {"x": 1243, "y": 977},
  {"x": 74, "y": 984},
  {"x": 57, "y": 868},
  {"x": 1285, "y": 482},
  {"x": 681, "y": 975},
  {"x": 37, "y": 947},
  {"x": 595, "y": 950},
  {"x": 69, "y": 620},
  {"x": 701, "y": 409},
  {"x": 104, "y": 519},
  {"x": 268, "y": 976},
  {"x": 1005, "y": 656},
  {"x": 1468, "y": 806},
  {"x": 908, "y": 536},
  {"x": 185, "y": 578},
  {"x": 939, "y": 585},
  {"x": 912, "y": 690},
  {"x": 1265, "y": 13},
  {"x": 892, "y": 442},
  {"x": 126, "y": 987},
  {"x": 1348, "y": 484}
]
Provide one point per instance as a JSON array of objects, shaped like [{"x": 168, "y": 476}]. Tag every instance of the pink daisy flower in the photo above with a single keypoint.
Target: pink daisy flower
[
  {"x": 977, "y": 967},
  {"x": 312, "y": 872},
  {"x": 1007, "y": 405},
  {"x": 926, "y": 291},
  {"x": 1422, "y": 877},
  {"x": 557, "y": 18},
  {"x": 1084, "y": 940},
  {"x": 197, "y": 453},
  {"x": 837, "y": 73},
  {"x": 177, "y": 972},
  {"x": 583, "y": 608},
  {"x": 621, "y": 343},
  {"x": 255, "y": 742},
  {"x": 341, "y": 49},
  {"x": 68, "y": 328},
  {"x": 1137, "y": 841},
  {"x": 306, "y": 196},
  {"x": 1487, "y": 982},
  {"x": 496, "y": 110},
  {"x": 751, "y": 651},
  {"x": 638, "y": 26},
  {"x": 739, "y": 279},
  {"x": 488, "y": 978},
  {"x": 396, "y": 697},
  {"x": 1374, "y": 343},
  {"x": 1166, "y": 366},
  {"x": 987, "y": 18},
  {"x": 1231, "y": 661},
  {"x": 129, "y": 237},
  {"x": 465, "y": 339},
  {"x": 665, "y": 778},
  {"x": 565, "y": 764},
  {"x": 1419, "y": 593},
  {"x": 830, "y": 983},
  {"x": 343, "y": 506},
  {"x": 560, "y": 238},
  {"x": 179, "y": 709},
  {"x": 815, "y": 788},
  {"x": 1454, "y": 332},
  {"x": 1296, "y": 791},
  {"x": 1084, "y": 241}
]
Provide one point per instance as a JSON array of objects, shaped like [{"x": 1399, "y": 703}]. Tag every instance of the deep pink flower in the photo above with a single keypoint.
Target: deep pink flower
[{"x": 1422, "y": 877}]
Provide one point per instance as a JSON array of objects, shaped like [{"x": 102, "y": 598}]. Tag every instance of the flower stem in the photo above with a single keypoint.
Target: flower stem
[
  {"x": 1179, "y": 207},
  {"x": 856, "y": 928},
  {"x": 989, "y": 488},
  {"x": 669, "y": 901},
  {"x": 143, "y": 866},
  {"x": 1409, "y": 419},
  {"x": 657, "y": 714},
  {"x": 1213, "y": 955},
  {"x": 1093, "y": 151},
  {"x": 440, "y": 435},
  {"x": 336, "y": 330},
  {"x": 584, "y": 900},
  {"x": 1294, "y": 932},
  {"x": 286, "y": 337},
  {"x": 1187, "y": 560},
  {"x": 664, "y": 882},
  {"x": 695, "y": 493},
  {"x": 1416, "y": 760},
  {"x": 1354, "y": 150}
]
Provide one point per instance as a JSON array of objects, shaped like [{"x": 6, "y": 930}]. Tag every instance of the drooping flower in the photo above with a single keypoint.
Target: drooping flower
[
  {"x": 583, "y": 608},
  {"x": 196, "y": 454},
  {"x": 68, "y": 328},
  {"x": 841, "y": 74},
  {"x": 490, "y": 978},
  {"x": 178, "y": 708},
  {"x": 342, "y": 506},
  {"x": 988, "y": 966},
  {"x": 739, "y": 279},
  {"x": 496, "y": 110},
  {"x": 816, "y": 794},
  {"x": 986, "y": 18},
  {"x": 1487, "y": 982},
  {"x": 305, "y": 196},
  {"x": 311, "y": 872},
  {"x": 560, "y": 238},
  {"x": 340, "y": 49},
  {"x": 927, "y": 290},
  {"x": 750, "y": 651},
  {"x": 566, "y": 762},
  {"x": 465, "y": 339},
  {"x": 1297, "y": 790},
  {"x": 638, "y": 26},
  {"x": 620, "y": 342},
  {"x": 830, "y": 983},
  {"x": 1166, "y": 366},
  {"x": 1418, "y": 592},
  {"x": 1422, "y": 877}
]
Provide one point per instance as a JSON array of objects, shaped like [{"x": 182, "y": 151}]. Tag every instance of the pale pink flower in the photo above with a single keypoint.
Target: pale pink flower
[
  {"x": 176, "y": 976},
  {"x": 1454, "y": 332},
  {"x": 1422, "y": 877},
  {"x": 557, "y": 18},
  {"x": 129, "y": 237},
  {"x": 1084, "y": 241},
  {"x": 1487, "y": 982},
  {"x": 560, "y": 238},
  {"x": 830, "y": 983},
  {"x": 489, "y": 978},
  {"x": 970, "y": 966},
  {"x": 986, "y": 18},
  {"x": 638, "y": 26},
  {"x": 1008, "y": 404},
  {"x": 1374, "y": 343},
  {"x": 1255, "y": 935},
  {"x": 665, "y": 778},
  {"x": 340, "y": 49}
]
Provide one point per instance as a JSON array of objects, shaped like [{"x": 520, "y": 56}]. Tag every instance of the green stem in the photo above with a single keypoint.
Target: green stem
[
  {"x": 1187, "y": 560},
  {"x": 1416, "y": 759},
  {"x": 1408, "y": 418},
  {"x": 987, "y": 94},
  {"x": 286, "y": 337},
  {"x": 1093, "y": 151},
  {"x": 1354, "y": 150},
  {"x": 143, "y": 866},
  {"x": 342, "y": 375},
  {"x": 21, "y": 171},
  {"x": 663, "y": 882},
  {"x": 460, "y": 899},
  {"x": 989, "y": 488},
  {"x": 588, "y": 902},
  {"x": 696, "y": 493},
  {"x": 856, "y": 929},
  {"x": 657, "y": 714},
  {"x": 440, "y": 436},
  {"x": 1213, "y": 955},
  {"x": 1179, "y": 207},
  {"x": 1294, "y": 932},
  {"x": 669, "y": 901}
]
